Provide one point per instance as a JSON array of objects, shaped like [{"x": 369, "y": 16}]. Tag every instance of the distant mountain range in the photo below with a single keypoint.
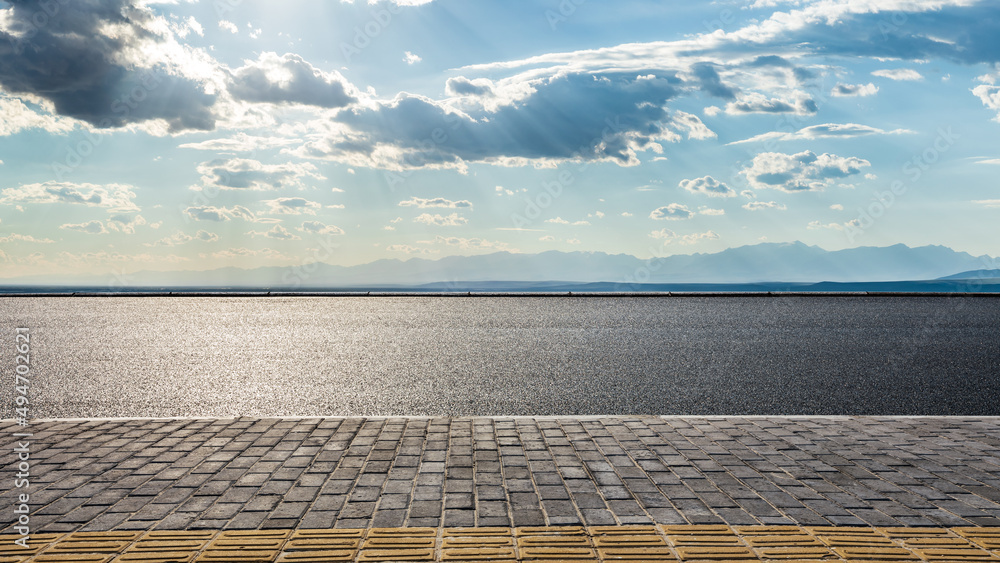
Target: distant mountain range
[{"x": 761, "y": 266}]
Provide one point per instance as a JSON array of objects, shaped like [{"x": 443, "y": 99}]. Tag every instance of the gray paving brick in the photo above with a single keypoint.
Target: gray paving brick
[{"x": 270, "y": 473}]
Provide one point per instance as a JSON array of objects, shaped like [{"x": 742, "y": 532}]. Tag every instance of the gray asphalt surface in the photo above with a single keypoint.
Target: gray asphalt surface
[{"x": 304, "y": 356}]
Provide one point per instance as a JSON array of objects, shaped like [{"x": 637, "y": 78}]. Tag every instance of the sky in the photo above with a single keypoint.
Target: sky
[{"x": 192, "y": 135}]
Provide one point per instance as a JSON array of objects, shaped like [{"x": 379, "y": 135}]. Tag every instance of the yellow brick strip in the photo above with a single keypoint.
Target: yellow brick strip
[{"x": 680, "y": 544}]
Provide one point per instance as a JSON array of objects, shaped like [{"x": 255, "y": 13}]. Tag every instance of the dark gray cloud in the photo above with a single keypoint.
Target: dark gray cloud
[
  {"x": 963, "y": 34},
  {"x": 462, "y": 86},
  {"x": 58, "y": 51},
  {"x": 711, "y": 82},
  {"x": 604, "y": 117},
  {"x": 302, "y": 83},
  {"x": 771, "y": 61}
]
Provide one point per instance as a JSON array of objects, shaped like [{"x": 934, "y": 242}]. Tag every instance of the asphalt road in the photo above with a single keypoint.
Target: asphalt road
[{"x": 311, "y": 356}]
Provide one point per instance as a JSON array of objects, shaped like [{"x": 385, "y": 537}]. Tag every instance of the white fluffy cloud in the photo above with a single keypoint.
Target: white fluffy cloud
[
  {"x": 422, "y": 203},
  {"x": 668, "y": 237},
  {"x": 804, "y": 171},
  {"x": 247, "y": 174},
  {"x": 824, "y": 131},
  {"x": 90, "y": 227},
  {"x": 561, "y": 221},
  {"x": 290, "y": 79},
  {"x": 276, "y": 232},
  {"x": 15, "y": 117},
  {"x": 452, "y": 220},
  {"x": 113, "y": 197},
  {"x": 674, "y": 211},
  {"x": 14, "y": 237},
  {"x": 317, "y": 228},
  {"x": 291, "y": 206},
  {"x": 761, "y": 205},
  {"x": 180, "y": 238},
  {"x": 219, "y": 214},
  {"x": 846, "y": 90},
  {"x": 707, "y": 185},
  {"x": 475, "y": 244},
  {"x": 899, "y": 74}
]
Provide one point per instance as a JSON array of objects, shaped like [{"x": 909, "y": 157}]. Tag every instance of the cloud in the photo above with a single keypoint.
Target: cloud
[
  {"x": 317, "y": 228},
  {"x": 14, "y": 237},
  {"x": 663, "y": 234},
  {"x": 240, "y": 142},
  {"x": 607, "y": 118},
  {"x": 90, "y": 227},
  {"x": 547, "y": 238},
  {"x": 291, "y": 206},
  {"x": 407, "y": 249},
  {"x": 422, "y": 203},
  {"x": 988, "y": 203},
  {"x": 758, "y": 103},
  {"x": 219, "y": 214},
  {"x": 804, "y": 171},
  {"x": 899, "y": 74},
  {"x": 711, "y": 212},
  {"x": 242, "y": 253},
  {"x": 452, "y": 220},
  {"x": 707, "y": 185},
  {"x": 989, "y": 95},
  {"x": 674, "y": 211},
  {"x": 289, "y": 79},
  {"x": 824, "y": 131},
  {"x": 845, "y": 90},
  {"x": 113, "y": 197},
  {"x": 561, "y": 221},
  {"x": 228, "y": 26},
  {"x": 470, "y": 244},
  {"x": 180, "y": 238},
  {"x": 246, "y": 174},
  {"x": 276, "y": 232},
  {"x": 15, "y": 117},
  {"x": 759, "y": 205},
  {"x": 109, "y": 63},
  {"x": 668, "y": 237},
  {"x": 409, "y": 58},
  {"x": 125, "y": 223},
  {"x": 501, "y": 191},
  {"x": 462, "y": 86},
  {"x": 815, "y": 225}
]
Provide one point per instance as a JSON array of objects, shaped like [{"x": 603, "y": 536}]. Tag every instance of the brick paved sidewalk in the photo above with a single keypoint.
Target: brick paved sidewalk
[{"x": 216, "y": 474}]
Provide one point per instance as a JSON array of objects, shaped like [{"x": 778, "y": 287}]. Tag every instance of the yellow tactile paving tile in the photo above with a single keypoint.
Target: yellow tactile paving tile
[
  {"x": 549, "y": 544},
  {"x": 36, "y": 542}
]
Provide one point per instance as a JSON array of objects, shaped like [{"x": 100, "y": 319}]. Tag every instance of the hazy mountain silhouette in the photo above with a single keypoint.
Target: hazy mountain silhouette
[{"x": 767, "y": 262}]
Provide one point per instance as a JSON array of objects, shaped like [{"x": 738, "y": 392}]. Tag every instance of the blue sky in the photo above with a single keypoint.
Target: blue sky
[{"x": 140, "y": 135}]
